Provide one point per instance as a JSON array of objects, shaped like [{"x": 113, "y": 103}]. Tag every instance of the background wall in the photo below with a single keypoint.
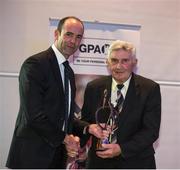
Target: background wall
[{"x": 24, "y": 30}]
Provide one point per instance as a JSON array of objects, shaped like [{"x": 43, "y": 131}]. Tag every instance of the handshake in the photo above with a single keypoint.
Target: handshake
[
  {"x": 72, "y": 143},
  {"x": 102, "y": 132}
]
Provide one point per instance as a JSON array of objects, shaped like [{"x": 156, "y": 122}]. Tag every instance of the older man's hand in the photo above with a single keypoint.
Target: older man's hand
[{"x": 110, "y": 151}]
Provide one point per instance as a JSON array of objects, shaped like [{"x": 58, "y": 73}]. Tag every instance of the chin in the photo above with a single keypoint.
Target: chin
[{"x": 120, "y": 79}]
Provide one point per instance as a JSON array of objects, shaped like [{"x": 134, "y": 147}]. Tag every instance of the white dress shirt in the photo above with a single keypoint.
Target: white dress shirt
[
  {"x": 61, "y": 59},
  {"x": 114, "y": 90}
]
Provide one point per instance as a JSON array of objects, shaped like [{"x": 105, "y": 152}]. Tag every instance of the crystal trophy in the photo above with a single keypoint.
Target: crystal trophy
[{"x": 107, "y": 119}]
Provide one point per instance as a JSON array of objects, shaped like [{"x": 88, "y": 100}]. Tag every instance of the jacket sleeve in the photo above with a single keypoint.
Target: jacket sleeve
[{"x": 86, "y": 116}]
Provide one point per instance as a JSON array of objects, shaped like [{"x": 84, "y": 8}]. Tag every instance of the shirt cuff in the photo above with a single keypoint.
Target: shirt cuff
[{"x": 86, "y": 130}]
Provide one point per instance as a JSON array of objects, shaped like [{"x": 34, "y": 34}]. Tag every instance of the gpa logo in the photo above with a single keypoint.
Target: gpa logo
[{"x": 95, "y": 49}]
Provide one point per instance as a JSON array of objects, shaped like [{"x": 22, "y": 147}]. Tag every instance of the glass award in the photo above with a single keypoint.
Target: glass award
[{"x": 107, "y": 119}]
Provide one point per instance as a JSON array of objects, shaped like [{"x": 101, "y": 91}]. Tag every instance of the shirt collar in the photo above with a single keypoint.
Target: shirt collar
[
  {"x": 124, "y": 89},
  {"x": 60, "y": 58}
]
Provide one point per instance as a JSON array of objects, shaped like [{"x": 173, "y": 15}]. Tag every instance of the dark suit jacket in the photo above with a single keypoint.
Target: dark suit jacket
[
  {"x": 38, "y": 130},
  {"x": 138, "y": 126}
]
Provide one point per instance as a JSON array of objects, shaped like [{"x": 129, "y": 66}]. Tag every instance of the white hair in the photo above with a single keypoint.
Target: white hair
[{"x": 124, "y": 45}]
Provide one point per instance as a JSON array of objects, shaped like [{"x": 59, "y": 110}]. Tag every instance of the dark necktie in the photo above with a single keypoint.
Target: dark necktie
[
  {"x": 120, "y": 98},
  {"x": 66, "y": 92}
]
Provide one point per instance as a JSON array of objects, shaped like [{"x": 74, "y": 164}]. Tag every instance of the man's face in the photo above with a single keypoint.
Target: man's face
[
  {"x": 121, "y": 65},
  {"x": 68, "y": 41}
]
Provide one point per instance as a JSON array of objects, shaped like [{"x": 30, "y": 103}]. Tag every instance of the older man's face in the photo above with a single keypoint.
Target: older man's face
[{"x": 121, "y": 65}]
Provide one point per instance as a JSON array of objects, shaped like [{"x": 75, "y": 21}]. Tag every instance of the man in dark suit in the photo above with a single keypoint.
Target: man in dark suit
[
  {"x": 42, "y": 125},
  {"x": 138, "y": 119}
]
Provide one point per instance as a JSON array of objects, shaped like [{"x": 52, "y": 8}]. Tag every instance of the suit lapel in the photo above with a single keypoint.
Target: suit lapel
[
  {"x": 72, "y": 83},
  {"x": 108, "y": 86},
  {"x": 57, "y": 74},
  {"x": 130, "y": 101},
  {"x": 55, "y": 68},
  {"x": 105, "y": 90}
]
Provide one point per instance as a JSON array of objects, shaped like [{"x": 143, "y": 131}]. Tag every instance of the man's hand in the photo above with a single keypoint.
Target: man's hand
[
  {"x": 72, "y": 144},
  {"x": 110, "y": 151},
  {"x": 97, "y": 131}
]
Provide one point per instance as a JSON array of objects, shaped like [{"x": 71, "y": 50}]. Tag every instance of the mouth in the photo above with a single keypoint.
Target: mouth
[
  {"x": 71, "y": 47},
  {"x": 119, "y": 72}
]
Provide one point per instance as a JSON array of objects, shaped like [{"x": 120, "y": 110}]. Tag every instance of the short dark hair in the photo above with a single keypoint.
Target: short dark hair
[{"x": 62, "y": 21}]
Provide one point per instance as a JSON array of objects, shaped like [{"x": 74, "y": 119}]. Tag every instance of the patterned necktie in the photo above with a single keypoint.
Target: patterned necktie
[
  {"x": 120, "y": 98},
  {"x": 118, "y": 108},
  {"x": 66, "y": 90}
]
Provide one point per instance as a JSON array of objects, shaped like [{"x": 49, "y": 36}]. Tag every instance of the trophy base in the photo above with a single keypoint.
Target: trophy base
[{"x": 99, "y": 145}]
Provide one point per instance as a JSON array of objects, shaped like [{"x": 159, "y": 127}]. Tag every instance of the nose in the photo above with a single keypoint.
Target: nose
[
  {"x": 73, "y": 40},
  {"x": 118, "y": 65}
]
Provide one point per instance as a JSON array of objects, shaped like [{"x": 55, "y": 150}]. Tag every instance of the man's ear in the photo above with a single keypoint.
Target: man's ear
[
  {"x": 108, "y": 64},
  {"x": 56, "y": 34},
  {"x": 135, "y": 67},
  {"x": 135, "y": 60}
]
